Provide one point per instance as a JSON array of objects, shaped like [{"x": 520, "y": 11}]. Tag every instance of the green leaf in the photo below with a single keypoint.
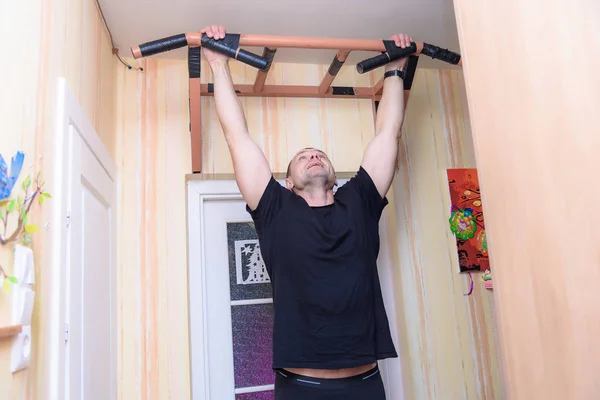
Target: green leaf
[
  {"x": 41, "y": 199},
  {"x": 11, "y": 205},
  {"x": 30, "y": 228},
  {"x": 46, "y": 195},
  {"x": 24, "y": 215},
  {"x": 13, "y": 279},
  {"x": 6, "y": 286},
  {"x": 26, "y": 239},
  {"x": 26, "y": 183}
]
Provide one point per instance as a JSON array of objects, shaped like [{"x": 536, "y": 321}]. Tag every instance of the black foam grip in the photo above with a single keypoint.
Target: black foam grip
[
  {"x": 335, "y": 66},
  {"x": 162, "y": 45},
  {"x": 194, "y": 62},
  {"x": 393, "y": 53},
  {"x": 252, "y": 59},
  {"x": 440, "y": 54},
  {"x": 372, "y": 63},
  {"x": 229, "y": 46},
  {"x": 396, "y": 53}
]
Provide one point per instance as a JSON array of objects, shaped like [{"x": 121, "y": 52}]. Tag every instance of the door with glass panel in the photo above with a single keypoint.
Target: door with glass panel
[{"x": 230, "y": 303}]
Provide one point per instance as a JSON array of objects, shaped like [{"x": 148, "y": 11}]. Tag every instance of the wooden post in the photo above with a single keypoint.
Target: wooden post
[{"x": 533, "y": 88}]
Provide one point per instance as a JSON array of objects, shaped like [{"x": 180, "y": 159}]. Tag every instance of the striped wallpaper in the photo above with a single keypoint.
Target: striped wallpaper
[{"x": 45, "y": 40}]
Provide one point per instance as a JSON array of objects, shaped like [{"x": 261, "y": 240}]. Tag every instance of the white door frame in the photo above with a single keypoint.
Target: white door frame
[
  {"x": 200, "y": 191},
  {"x": 68, "y": 113}
]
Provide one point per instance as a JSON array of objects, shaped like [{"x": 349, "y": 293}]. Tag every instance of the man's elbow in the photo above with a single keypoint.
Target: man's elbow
[{"x": 390, "y": 131}]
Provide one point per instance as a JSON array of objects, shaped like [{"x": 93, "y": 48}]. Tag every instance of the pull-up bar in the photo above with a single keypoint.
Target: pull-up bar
[{"x": 231, "y": 44}]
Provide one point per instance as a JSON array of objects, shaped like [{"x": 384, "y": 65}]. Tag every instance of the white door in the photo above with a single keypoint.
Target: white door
[
  {"x": 230, "y": 299},
  {"x": 86, "y": 201},
  {"x": 90, "y": 273}
]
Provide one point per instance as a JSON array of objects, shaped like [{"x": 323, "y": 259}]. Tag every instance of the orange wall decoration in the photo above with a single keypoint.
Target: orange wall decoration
[{"x": 466, "y": 219}]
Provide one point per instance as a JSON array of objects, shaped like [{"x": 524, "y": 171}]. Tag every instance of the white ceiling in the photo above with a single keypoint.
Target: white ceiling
[{"x": 133, "y": 22}]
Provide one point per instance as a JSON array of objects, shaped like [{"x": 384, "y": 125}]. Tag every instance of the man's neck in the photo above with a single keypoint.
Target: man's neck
[{"x": 316, "y": 197}]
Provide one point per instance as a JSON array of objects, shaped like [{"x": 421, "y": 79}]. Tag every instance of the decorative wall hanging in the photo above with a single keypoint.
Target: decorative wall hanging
[
  {"x": 466, "y": 219},
  {"x": 15, "y": 207}
]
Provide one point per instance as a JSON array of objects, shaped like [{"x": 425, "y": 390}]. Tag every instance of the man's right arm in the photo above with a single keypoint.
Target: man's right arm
[{"x": 252, "y": 171}]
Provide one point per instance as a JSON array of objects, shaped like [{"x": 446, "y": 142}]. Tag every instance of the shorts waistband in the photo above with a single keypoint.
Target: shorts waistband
[{"x": 332, "y": 383}]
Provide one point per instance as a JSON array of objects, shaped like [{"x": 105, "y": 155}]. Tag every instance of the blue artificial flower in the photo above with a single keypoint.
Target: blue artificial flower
[{"x": 7, "y": 181}]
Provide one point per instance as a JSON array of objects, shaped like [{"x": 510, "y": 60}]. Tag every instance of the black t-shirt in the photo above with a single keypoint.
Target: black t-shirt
[{"x": 322, "y": 261}]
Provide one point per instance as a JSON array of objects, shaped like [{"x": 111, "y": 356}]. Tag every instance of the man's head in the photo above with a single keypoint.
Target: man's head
[{"x": 310, "y": 168}]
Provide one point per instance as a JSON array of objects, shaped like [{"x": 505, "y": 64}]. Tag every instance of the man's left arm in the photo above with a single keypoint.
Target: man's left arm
[{"x": 380, "y": 155}]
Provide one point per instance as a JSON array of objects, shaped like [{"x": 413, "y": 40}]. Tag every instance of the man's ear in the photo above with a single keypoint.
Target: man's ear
[{"x": 288, "y": 184}]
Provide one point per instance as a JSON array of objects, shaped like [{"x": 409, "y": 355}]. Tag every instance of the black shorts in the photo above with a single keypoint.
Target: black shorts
[{"x": 366, "y": 386}]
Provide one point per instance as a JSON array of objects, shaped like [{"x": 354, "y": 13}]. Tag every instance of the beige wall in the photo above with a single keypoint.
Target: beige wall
[
  {"x": 537, "y": 142},
  {"x": 44, "y": 40},
  {"x": 448, "y": 345}
]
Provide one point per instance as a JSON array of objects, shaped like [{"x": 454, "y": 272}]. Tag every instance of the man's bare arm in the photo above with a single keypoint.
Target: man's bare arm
[
  {"x": 252, "y": 171},
  {"x": 380, "y": 155}
]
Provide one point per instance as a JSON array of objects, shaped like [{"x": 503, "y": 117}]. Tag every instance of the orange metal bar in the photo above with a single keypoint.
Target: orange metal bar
[
  {"x": 261, "y": 76},
  {"x": 194, "y": 39},
  {"x": 378, "y": 88},
  {"x": 339, "y": 59},
  {"x": 294, "y": 91},
  {"x": 259, "y": 83},
  {"x": 196, "y": 124},
  {"x": 302, "y": 42}
]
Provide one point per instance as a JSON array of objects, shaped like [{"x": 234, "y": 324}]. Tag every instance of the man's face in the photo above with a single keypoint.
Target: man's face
[{"x": 311, "y": 167}]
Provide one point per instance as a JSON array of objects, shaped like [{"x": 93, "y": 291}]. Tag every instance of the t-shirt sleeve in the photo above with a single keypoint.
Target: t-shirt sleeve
[
  {"x": 368, "y": 193},
  {"x": 268, "y": 205}
]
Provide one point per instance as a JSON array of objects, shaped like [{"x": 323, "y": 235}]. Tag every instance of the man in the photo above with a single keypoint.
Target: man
[{"x": 320, "y": 248}]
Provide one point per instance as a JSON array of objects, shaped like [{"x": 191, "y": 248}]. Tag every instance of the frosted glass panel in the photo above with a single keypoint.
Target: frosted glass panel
[
  {"x": 252, "y": 344},
  {"x": 248, "y": 277}
]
